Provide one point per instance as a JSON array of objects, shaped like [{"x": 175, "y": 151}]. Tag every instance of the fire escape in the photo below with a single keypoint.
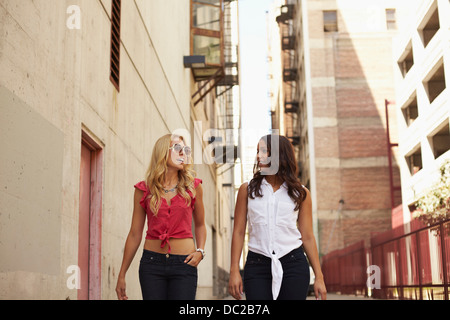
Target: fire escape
[
  {"x": 231, "y": 72},
  {"x": 227, "y": 82},
  {"x": 211, "y": 59},
  {"x": 214, "y": 64},
  {"x": 290, "y": 72}
]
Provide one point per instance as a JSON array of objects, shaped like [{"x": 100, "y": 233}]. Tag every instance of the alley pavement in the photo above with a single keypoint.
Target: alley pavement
[
  {"x": 330, "y": 296},
  {"x": 335, "y": 296}
]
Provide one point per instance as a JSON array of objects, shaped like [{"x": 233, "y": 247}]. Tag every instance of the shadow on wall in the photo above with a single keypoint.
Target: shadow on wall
[{"x": 359, "y": 59}]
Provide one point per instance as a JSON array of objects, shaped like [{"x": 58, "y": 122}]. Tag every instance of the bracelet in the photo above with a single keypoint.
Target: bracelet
[{"x": 202, "y": 252}]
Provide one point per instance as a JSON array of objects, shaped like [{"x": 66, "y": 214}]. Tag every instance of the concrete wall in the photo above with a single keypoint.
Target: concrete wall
[
  {"x": 55, "y": 83},
  {"x": 432, "y": 116}
]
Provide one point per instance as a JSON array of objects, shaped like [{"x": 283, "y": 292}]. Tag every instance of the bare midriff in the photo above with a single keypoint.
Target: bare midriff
[{"x": 178, "y": 246}]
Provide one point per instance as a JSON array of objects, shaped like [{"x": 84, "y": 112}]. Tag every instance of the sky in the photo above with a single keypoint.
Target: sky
[
  {"x": 255, "y": 102},
  {"x": 253, "y": 50}
]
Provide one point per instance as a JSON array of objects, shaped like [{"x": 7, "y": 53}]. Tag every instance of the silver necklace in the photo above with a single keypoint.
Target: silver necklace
[{"x": 170, "y": 190}]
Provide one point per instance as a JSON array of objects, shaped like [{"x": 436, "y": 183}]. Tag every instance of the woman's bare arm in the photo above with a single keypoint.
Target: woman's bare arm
[
  {"x": 200, "y": 227},
  {"x": 235, "y": 286},
  {"x": 132, "y": 243},
  {"x": 309, "y": 244}
]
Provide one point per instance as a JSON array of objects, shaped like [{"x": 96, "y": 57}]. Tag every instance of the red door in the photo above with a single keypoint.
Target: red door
[{"x": 90, "y": 222}]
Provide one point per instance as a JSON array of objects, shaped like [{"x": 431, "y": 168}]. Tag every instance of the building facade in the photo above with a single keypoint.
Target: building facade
[
  {"x": 337, "y": 73},
  {"x": 422, "y": 73},
  {"x": 87, "y": 88}
]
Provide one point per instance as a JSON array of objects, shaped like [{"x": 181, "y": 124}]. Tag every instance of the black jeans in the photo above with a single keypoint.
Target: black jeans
[
  {"x": 258, "y": 276},
  {"x": 166, "y": 277}
]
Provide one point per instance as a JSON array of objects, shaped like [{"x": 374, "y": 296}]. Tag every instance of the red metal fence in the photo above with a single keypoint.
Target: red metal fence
[{"x": 413, "y": 259}]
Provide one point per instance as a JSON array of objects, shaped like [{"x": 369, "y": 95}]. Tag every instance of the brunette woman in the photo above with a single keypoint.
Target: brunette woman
[
  {"x": 168, "y": 198},
  {"x": 279, "y": 214}
]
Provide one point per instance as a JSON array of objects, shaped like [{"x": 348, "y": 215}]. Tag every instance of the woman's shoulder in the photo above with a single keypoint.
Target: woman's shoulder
[
  {"x": 197, "y": 182},
  {"x": 141, "y": 185},
  {"x": 244, "y": 187}
]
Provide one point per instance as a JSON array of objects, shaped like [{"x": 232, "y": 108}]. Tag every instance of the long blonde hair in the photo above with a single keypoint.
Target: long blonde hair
[{"x": 157, "y": 170}]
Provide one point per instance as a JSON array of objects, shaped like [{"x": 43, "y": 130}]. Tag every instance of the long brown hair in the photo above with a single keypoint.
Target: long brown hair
[{"x": 284, "y": 159}]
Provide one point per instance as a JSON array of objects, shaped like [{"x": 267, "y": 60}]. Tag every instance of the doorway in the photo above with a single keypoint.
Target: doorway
[{"x": 90, "y": 219}]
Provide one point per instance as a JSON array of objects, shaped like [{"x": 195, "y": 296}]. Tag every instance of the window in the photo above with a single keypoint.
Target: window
[
  {"x": 430, "y": 25},
  {"x": 434, "y": 82},
  {"x": 209, "y": 47},
  {"x": 410, "y": 112},
  {"x": 115, "y": 44},
  {"x": 391, "y": 21},
  {"x": 414, "y": 160},
  {"x": 207, "y": 16},
  {"x": 330, "y": 21},
  {"x": 440, "y": 140},
  {"x": 406, "y": 61}
]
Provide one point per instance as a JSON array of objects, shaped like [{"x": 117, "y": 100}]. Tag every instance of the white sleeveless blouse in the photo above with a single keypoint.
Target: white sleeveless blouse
[{"x": 272, "y": 226}]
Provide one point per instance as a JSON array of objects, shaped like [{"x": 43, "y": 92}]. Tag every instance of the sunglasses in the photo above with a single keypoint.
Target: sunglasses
[{"x": 177, "y": 148}]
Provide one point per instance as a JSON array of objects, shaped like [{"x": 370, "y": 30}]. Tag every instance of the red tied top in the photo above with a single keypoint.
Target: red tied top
[{"x": 174, "y": 221}]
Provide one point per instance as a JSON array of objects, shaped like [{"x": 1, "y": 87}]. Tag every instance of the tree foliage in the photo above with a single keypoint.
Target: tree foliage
[{"x": 434, "y": 206}]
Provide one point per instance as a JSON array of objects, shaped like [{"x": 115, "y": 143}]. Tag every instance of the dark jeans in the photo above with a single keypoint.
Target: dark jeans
[
  {"x": 258, "y": 276},
  {"x": 166, "y": 277}
]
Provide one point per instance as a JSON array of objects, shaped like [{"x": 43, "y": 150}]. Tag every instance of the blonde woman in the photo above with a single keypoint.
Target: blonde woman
[{"x": 169, "y": 198}]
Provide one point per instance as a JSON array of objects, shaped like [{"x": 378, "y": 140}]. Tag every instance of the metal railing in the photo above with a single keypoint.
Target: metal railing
[{"x": 413, "y": 261}]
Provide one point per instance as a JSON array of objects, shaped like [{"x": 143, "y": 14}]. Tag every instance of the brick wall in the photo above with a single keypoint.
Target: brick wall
[{"x": 350, "y": 137}]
